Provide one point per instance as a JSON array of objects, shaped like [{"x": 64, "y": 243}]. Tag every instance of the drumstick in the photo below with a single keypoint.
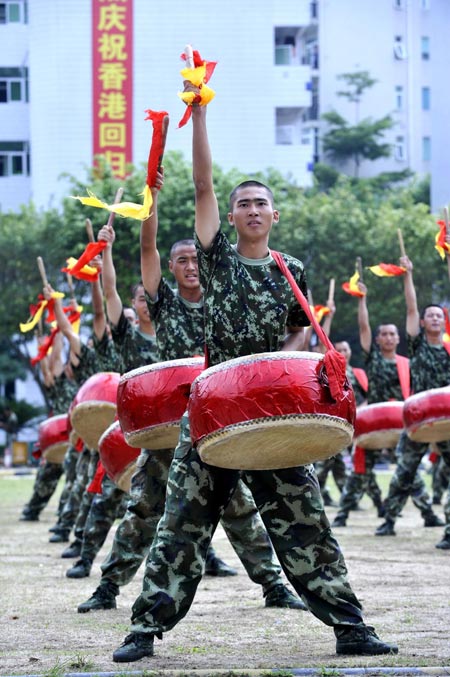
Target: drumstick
[
  {"x": 70, "y": 284},
  {"x": 402, "y": 244},
  {"x": 331, "y": 290},
  {"x": 310, "y": 297},
  {"x": 359, "y": 269},
  {"x": 447, "y": 229},
  {"x": 90, "y": 231},
  {"x": 189, "y": 56},
  {"x": 42, "y": 271},
  {"x": 117, "y": 199}
]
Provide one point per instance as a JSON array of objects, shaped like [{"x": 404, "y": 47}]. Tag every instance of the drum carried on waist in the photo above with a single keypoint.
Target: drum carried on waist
[
  {"x": 426, "y": 415},
  {"x": 152, "y": 399},
  {"x": 269, "y": 411},
  {"x": 117, "y": 457},
  {"x": 53, "y": 435},
  {"x": 94, "y": 407},
  {"x": 379, "y": 425}
]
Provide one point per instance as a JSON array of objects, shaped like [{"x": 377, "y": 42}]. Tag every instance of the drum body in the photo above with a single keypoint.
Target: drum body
[
  {"x": 268, "y": 411},
  {"x": 379, "y": 425},
  {"x": 94, "y": 407},
  {"x": 117, "y": 457},
  {"x": 53, "y": 434},
  {"x": 427, "y": 415},
  {"x": 152, "y": 399}
]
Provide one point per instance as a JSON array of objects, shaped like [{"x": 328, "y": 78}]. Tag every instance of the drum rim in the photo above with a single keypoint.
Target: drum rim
[
  {"x": 159, "y": 366},
  {"x": 279, "y": 355}
]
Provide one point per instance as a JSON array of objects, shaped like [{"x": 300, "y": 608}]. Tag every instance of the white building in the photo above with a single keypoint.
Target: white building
[{"x": 277, "y": 67}]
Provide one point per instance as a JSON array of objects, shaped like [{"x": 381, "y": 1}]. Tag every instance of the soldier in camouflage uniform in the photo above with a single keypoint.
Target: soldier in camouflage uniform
[
  {"x": 178, "y": 320},
  {"x": 60, "y": 389},
  {"x": 388, "y": 379},
  {"x": 440, "y": 473},
  {"x": 430, "y": 368},
  {"x": 249, "y": 308},
  {"x": 135, "y": 344}
]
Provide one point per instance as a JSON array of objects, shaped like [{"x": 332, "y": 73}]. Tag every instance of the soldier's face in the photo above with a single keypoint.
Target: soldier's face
[
  {"x": 253, "y": 214},
  {"x": 184, "y": 266},
  {"x": 433, "y": 320},
  {"x": 387, "y": 338},
  {"x": 140, "y": 305}
]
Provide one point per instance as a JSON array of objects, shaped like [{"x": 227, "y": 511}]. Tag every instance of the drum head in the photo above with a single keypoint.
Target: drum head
[
  {"x": 55, "y": 452},
  {"x": 123, "y": 480},
  {"x": 91, "y": 419},
  {"x": 434, "y": 431},
  {"x": 379, "y": 439},
  {"x": 155, "y": 437},
  {"x": 277, "y": 442}
]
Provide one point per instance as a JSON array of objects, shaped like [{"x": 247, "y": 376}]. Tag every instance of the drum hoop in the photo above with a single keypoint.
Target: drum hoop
[
  {"x": 249, "y": 359},
  {"x": 398, "y": 404},
  {"x": 274, "y": 420},
  {"x": 57, "y": 417},
  {"x": 159, "y": 366}
]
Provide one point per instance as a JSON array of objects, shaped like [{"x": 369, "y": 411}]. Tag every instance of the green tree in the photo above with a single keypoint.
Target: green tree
[{"x": 362, "y": 140}]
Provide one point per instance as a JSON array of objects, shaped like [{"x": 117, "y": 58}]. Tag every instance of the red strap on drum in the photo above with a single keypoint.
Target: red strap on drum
[
  {"x": 361, "y": 377},
  {"x": 359, "y": 460},
  {"x": 95, "y": 486},
  {"x": 403, "y": 375},
  {"x": 333, "y": 361}
]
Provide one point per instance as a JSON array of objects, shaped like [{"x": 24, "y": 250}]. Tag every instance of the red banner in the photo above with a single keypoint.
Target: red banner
[{"x": 112, "y": 82}]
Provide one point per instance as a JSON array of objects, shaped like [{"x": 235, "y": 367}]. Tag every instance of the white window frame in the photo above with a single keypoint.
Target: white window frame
[
  {"x": 400, "y": 149},
  {"x": 426, "y": 148},
  {"x": 425, "y": 47},
  {"x": 21, "y": 5},
  {"x": 399, "y": 97},
  {"x": 426, "y": 98},
  {"x": 10, "y": 155},
  {"x": 399, "y": 48}
]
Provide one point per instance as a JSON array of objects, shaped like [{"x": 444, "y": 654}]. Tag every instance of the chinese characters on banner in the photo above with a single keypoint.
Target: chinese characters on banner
[{"x": 112, "y": 82}]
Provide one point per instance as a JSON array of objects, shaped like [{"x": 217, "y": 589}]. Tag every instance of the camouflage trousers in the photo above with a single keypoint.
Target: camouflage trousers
[
  {"x": 358, "y": 484},
  {"x": 44, "y": 487},
  {"x": 105, "y": 509},
  {"x": 241, "y": 522},
  {"x": 334, "y": 465},
  {"x": 72, "y": 505},
  {"x": 440, "y": 479},
  {"x": 87, "y": 497},
  {"x": 403, "y": 482},
  {"x": 69, "y": 466},
  {"x": 291, "y": 506}
]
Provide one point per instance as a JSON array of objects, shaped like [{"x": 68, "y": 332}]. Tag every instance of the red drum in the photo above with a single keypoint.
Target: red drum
[
  {"x": 117, "y": 457},
  {"x": 427, "y": 415},
  {"x": 94, "y": 407},
  {"x": 379, "y": 425},
  {"x": 53, "y": 434},
  {"x": 152, "y": 399},
  {"x": 268, "y": 411}
]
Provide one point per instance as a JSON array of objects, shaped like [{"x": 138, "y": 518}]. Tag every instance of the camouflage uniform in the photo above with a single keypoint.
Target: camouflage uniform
[
  {"x": 181, "y": 322},
  {"x": 384, "y": 385},
  {"x": 440, "y": 479},
  {"x": 248, "y": 304},
  {"x": 60, "y": 395},
  {"x": 430, "y": 368}
]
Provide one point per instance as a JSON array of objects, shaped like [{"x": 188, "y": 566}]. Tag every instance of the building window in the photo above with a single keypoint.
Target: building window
[
  {"x": 426, "y": 98},
  {"x": 289, "y": 126},
  {"x": 399, "y": 97},
  {"x": 13, "y": 84},
  {"x": 425, "y": 4},
  {"x": 426, "y": 148},
  {"x": 399, "y": 149},
  {"x": 14, "y": 158},
  {"x": 425, "y": 47},
  {"x": 399, "y": 47},
  {"x": 399, "y": 4},
  {"x": 14, "y": 11}
]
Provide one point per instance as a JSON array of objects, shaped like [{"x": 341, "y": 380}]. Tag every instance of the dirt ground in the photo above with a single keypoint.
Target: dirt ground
[{"x": 402, "y": 582}]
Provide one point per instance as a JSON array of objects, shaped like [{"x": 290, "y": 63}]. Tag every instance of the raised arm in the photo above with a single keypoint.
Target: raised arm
[
  {"x": 63, "y": 323},
  {"x": 98, "y": 309},
  {"x": 412, "y": 311},
  {"x": 112, "y": 298},
  {"x": 207, "y": 220},
  {"x": 150, "y": 258},
  {"x": 55, "y": 359},
  {"x": 365, "y": 332}
]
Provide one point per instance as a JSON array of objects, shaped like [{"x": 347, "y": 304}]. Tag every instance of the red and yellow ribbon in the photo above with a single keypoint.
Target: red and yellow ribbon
[
  {"x": 440, "y": 242},
  {"x": 387, "y": 270},
  {"x": 351, "y": 287},
  {"x": 80, "y": 268},
  {"x": 36, "y": 312},
  {"x": 198, "y": 76}
]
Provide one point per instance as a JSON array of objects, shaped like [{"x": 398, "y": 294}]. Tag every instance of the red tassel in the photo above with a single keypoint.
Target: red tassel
[
  {"x": 157, "y": 145},
  {"x": 95, "y": 486},
  {"x": 359, "y": 461}
]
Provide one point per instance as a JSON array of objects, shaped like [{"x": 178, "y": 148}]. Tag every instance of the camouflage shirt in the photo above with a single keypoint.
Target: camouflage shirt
[
  {"x": 248, "y": 302},
  {"x": 384, "y": 382},
  {"x": 61, "y": 394},
  {"x": 178, "y": 324},
  {"x": 135, "y": 348},
  {"x": 360, "y": 393},
  {"x": 430, "y": 364},
  {"x": 87, "y": 366},
  {"x": 108, "y": 356}
]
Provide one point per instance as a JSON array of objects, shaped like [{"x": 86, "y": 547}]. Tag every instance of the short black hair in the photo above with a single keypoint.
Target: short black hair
[
  {"x": 246, "y": 184},
  {"x": 180, "y": 243},
  {"x": 135, "y": 287},
  {"x": 431, "y": 305},
  {"x": 385, "y": 324}
]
